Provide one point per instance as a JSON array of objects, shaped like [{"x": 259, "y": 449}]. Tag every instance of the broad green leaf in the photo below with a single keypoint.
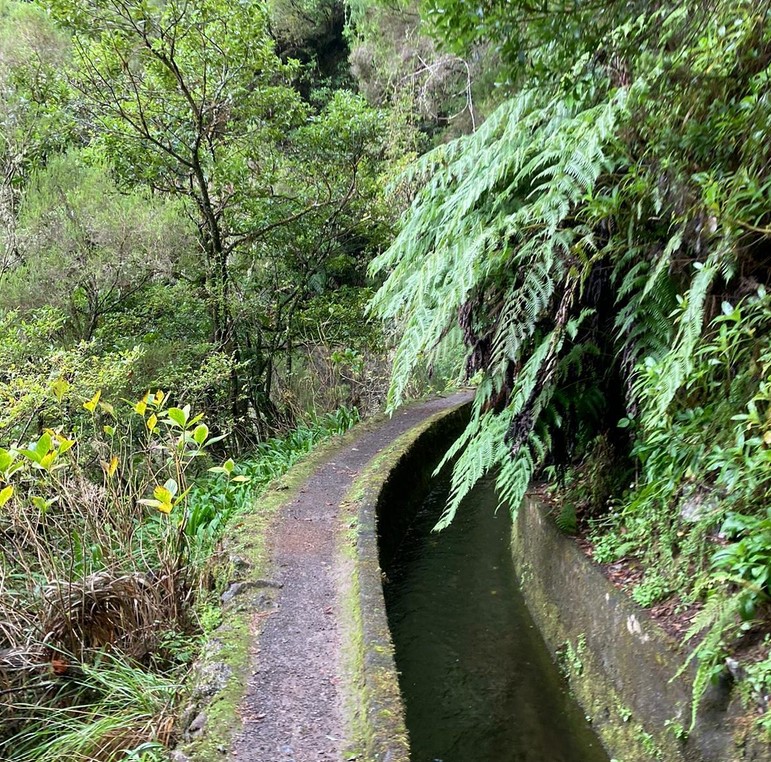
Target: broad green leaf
[
  {"x": 31, "y": 455},
  {"x": 5, "y": 459},
  {"x": 178, "y": 416},
  {"x": 60, "y": 387},
  {"x": 200, "y": 433},
  {"x": 43, "y": 445},
  {"x": 226, "y": 468}
]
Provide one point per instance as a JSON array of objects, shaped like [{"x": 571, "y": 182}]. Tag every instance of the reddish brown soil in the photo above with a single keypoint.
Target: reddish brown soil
[{"x": 293, "y": 710}]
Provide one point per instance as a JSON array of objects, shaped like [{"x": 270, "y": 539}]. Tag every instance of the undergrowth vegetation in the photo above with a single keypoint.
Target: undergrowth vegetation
[{"x": 109, "y": 520}]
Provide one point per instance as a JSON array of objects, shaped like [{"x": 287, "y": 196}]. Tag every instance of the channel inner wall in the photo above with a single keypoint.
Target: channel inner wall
[
  {"x": 386, "y": 499},
  {"x": 621, "y": 666}
]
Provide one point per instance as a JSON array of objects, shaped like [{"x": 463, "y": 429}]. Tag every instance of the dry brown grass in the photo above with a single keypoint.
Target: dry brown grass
[{"x": 128, "y": 612}]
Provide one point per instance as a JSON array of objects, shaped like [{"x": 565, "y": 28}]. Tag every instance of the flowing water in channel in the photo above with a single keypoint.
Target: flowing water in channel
[{"x": 478, "y": 682}]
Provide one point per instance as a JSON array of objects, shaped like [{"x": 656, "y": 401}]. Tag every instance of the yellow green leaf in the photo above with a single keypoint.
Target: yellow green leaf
[
  {"x": 162, "y": 505},
  {"x": 152, "y": 422},
  {"x": 200, "y": 433},
  {"x": 60, "y": 387},
  {"x": 93, "y": 402},
  {"x": 43, "y": 445},
  {"x": 113, "y": 466},
  {"x": 6, "y": 494},
  {"x": 162, "y": 494},
  {"x": 48, "y": 460},
  {"x": 65, "y": 444}
]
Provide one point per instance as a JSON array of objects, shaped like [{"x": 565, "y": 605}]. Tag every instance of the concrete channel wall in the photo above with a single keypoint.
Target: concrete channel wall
[
  {"x": 620, "y": 664},
  {"x": 384, "y": 501}
]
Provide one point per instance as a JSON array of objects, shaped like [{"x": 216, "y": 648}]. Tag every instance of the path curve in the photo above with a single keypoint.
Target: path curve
[{"x": 293, "y": 707}]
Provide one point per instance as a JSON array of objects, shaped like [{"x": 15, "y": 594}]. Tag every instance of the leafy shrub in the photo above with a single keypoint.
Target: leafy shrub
[
  {"x": 651, "y": 590},
  {"x": 748, "y": 559},
  {"x": 94, "y": 556}
]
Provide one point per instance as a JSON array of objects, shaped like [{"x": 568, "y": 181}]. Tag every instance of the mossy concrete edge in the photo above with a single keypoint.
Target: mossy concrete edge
[
  {"x": 619, "y": 662},
  {"x": 376, "y": 726}
]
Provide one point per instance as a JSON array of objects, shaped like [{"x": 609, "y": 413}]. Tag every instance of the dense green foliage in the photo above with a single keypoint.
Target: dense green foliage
[
  {"x": 102, "y": 578},
  {"x": 175, "y": 194},
  {"x": 184, "y": 205},
  {"x": 600, "y": 245}
]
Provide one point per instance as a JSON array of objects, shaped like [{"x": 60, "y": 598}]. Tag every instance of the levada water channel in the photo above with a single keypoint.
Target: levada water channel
[{"x": 477, "y": 680}]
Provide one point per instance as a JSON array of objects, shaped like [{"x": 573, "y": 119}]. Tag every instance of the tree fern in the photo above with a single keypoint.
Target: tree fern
[{"x": 495, "y": 214}]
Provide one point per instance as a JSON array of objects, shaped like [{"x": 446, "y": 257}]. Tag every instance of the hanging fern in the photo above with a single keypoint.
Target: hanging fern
[
  {"x": 496, "y": 214},
  {"x": 582, "y": 243}
]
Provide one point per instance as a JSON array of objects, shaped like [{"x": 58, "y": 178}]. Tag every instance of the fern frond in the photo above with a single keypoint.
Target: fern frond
[
  {"x": 496, "y": 213},
  {"x": 678, "y": 362}
]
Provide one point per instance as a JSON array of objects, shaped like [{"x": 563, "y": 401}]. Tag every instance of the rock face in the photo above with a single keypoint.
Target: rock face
[{"x": 619, "y": 662}]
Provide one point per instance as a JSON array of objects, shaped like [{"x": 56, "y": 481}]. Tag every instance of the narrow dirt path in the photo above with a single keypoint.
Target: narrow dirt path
[{"x": 292, "y": 711}]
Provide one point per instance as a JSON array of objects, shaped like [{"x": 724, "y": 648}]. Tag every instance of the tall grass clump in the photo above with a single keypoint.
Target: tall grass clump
[{"x": 111, "y": 709}]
